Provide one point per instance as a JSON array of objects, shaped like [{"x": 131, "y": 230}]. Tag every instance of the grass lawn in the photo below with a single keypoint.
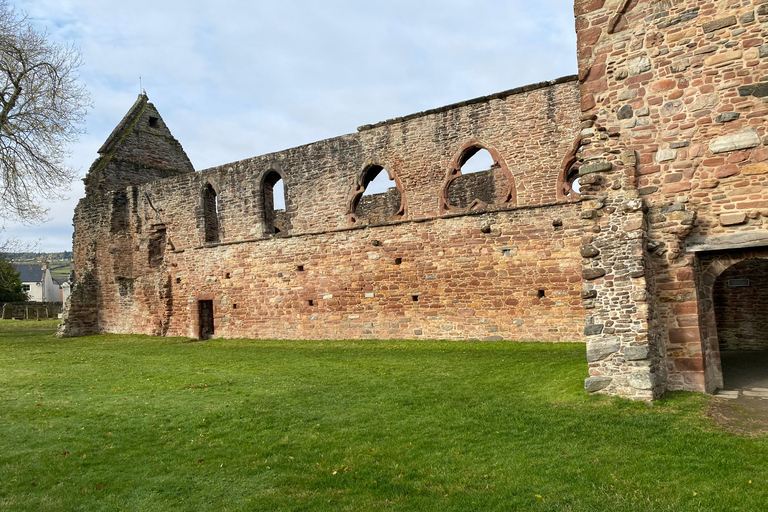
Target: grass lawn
[{"x": 140, "y": 423}]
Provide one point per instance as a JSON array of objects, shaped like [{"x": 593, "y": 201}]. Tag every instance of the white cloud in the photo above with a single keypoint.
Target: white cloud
[{"x": 235, "y": 79}]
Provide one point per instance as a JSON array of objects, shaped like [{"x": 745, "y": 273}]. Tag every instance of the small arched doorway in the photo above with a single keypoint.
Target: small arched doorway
[{"x": 740, "y": 299}]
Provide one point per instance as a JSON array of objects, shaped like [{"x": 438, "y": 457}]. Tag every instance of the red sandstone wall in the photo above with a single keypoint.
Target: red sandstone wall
[
  {"x": 511, "y": 272},
  {"x": 741, "y": 296}
]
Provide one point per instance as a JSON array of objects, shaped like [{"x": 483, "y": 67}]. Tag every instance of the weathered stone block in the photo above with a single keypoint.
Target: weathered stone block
[
  {"x": 593, "y": 329},
  {"x": 727, "y": 117},
  {"x": 588, "y": 251},
  {"x": 639, "y": 65},
  {"x": 599, "y": 349},
  {"x": 724, "y": 57},
  {"x": 672, "y": 108},
  {"x": 757, "y": 90},
  {"x": 718, "y": 24},
  {"x": 706, "y": 101},
  {"x": 747, "y": 17},
  {"x": 731, "y": 219},
  {"x": 742, "y": 140},
  {"x": 636, "y": 353},
  {"x": 753, "y": 169},
  {"x": 642, "y": 379},
  {"x": 625, "y": 112},
  {"x": 593, "y": 384},
  {"x": 591, "y": 167},
  {"x": 666, "y": 155},
  {"x": 591, "y": 274}
]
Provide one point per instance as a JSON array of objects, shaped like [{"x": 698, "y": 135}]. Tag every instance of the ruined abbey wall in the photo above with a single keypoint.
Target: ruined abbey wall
[
  {"x": 504, "y": 267},
  {"x": 664, "y": 128}
]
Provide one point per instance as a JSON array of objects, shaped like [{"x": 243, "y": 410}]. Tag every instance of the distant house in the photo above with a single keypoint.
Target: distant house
[{"x": 39, "y": 285}]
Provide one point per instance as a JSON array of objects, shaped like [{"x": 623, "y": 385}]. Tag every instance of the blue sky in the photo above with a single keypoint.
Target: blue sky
[{"x": 235, "y": 79}]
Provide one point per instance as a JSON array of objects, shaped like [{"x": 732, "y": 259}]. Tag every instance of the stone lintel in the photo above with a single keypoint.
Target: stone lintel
[{"x": 725, "y": 242}]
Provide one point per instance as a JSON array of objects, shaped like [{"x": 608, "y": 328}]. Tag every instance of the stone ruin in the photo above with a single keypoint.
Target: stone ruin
[{"x": 626, "y": 207}]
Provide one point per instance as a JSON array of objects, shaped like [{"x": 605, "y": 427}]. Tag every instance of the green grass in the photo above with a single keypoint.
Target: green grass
[
  {"x": 18, "y": 325},
  {"x": 139, "y": 423}
]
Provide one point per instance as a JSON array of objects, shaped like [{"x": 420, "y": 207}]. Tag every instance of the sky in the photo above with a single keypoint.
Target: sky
[{"x": 236, "y": 79}]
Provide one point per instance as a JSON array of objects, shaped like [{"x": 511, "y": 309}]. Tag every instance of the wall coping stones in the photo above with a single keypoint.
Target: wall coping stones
[
  {"x": 481, "y": 99},
  {"x": 724, "y": 242}
]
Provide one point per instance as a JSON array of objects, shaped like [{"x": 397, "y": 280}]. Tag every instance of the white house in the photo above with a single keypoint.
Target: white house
[{"x": 38, "y": 283}]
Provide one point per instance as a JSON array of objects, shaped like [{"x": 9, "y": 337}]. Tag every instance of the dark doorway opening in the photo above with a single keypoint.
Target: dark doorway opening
[
  {"x": 206, "y": 319},
  {"x": 741, "y": 303}
]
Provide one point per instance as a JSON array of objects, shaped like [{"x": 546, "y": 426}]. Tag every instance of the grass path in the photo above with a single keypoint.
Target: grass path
[{"x": 140, "y": 423}]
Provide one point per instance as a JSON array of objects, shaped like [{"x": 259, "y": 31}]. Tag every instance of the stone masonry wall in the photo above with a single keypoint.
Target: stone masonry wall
[
  {"x": 673, "y": 115},
  {"x": 741, "y": 293},
  {"x": 510, "y": 270}
]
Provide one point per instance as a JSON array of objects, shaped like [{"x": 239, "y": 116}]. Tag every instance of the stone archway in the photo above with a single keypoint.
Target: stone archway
[{"x": 720, "y": 274}]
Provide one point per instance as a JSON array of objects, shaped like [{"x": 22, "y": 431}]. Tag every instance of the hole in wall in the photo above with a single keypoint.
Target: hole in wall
[
  {"x": 310, "y": 302},
  {"x": 379, "y": 200},
  {"x": 541, "y": 294},
  {"x": 300, "y": 268},
  {"x": 275, "y": 199},
  {"x": 227, "y": 276},
  {"x": 153, "y": 122},
  {"x": 480, "y": 161},
  {"x": 415, "y": 298},
  {"x": 398, "y": 261},
  {"x": 178, "y": 280},
  {"x": 211, "y": 213},
  {"x": 234, "y": 306}
]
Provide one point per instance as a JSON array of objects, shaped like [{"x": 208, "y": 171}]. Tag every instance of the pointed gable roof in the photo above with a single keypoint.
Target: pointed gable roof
[
  {"x": 139, "y": 150},
  {"x": 127, "y": 122}
]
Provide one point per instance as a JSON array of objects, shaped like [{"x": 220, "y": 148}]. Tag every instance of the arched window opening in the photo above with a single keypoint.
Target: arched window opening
[
  {"x": 478, "y": 179},
  {"x": 568, "y": 184},
  {"x": 377, "y": 197},
  {"x": 741, "y": 298},
  {"x": 211, "y": 214},
  {"x": 479, "y": 162},
  {"x": 571, "y": 185},
  {"x": 275, "y": 217}
]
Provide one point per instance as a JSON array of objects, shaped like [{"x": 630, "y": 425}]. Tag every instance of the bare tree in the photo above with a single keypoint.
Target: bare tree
[{"x": 42, "y": 109}]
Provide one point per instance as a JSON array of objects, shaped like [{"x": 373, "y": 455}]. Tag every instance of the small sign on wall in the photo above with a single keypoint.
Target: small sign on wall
[{"x": 738, "y": 283}]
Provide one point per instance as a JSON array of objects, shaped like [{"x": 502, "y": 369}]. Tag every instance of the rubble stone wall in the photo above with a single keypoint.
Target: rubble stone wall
[{"x": 673, "y": 115}]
